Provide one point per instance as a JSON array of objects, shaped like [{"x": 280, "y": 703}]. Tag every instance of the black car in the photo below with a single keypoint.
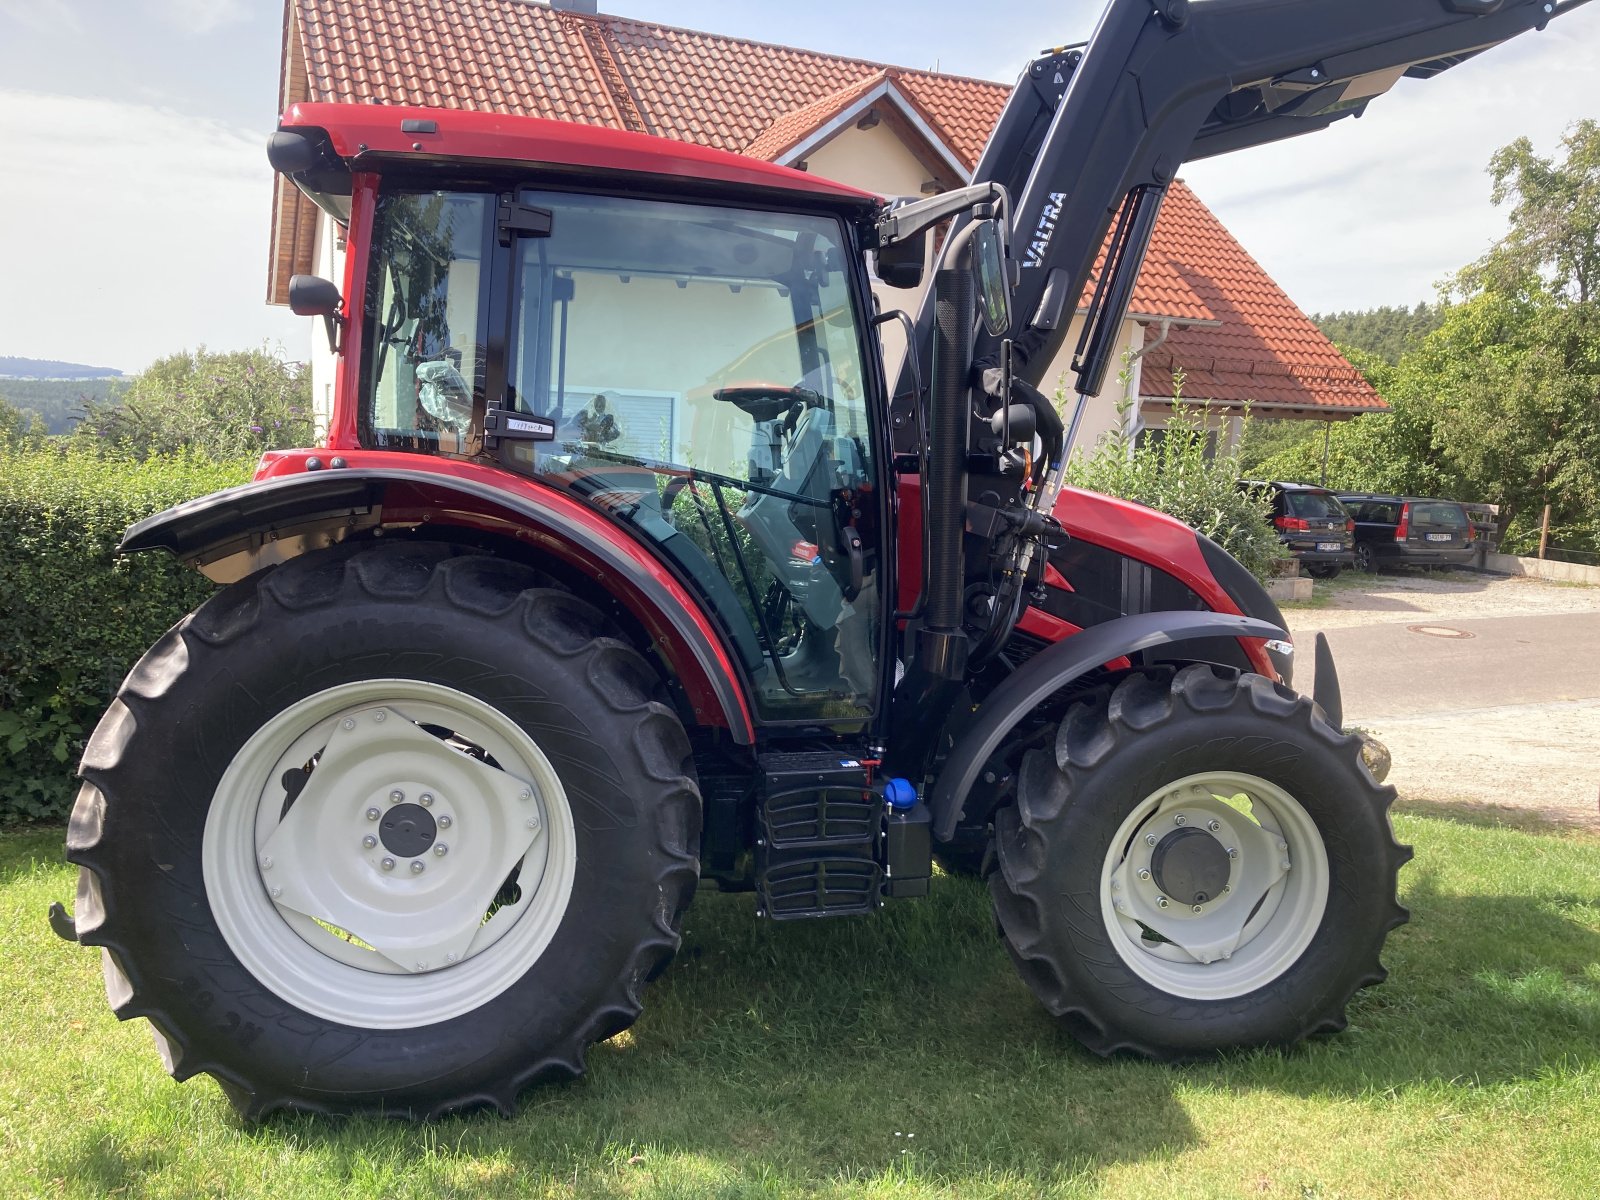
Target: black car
[
  {"x": 1419, "y": 531},
  {"x": 1312, "y": 523}
]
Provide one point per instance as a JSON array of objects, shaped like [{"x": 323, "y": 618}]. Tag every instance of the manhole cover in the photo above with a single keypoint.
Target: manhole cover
[{"x": 1443, "y": 631}]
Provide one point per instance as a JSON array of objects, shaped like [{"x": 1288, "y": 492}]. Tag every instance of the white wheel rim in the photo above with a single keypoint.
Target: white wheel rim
[
  {"x": 425, "y": 947},
  {"x": 1262, "y": 921}
]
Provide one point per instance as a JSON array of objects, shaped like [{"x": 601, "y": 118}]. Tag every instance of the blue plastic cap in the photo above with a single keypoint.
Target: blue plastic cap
[{"x": 901, "y": 794}]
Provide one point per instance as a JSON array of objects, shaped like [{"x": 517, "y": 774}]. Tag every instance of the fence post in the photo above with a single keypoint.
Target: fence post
[{"x": 1544, "y": 531}]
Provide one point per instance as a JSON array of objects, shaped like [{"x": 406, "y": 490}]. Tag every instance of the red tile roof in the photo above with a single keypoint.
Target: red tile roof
[
  {"x": 1266, "y": 351},
  {"x": 522, "y": 57}
]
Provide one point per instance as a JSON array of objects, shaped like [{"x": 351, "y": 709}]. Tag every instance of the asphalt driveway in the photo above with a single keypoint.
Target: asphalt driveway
[{"x": 1485, "y": 689}]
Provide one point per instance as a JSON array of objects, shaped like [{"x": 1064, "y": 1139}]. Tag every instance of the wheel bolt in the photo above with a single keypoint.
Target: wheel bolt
[
  {"x": 533, "y": 822},
  {"x": 387, "y": 864},
  {"x": 1286, "y": 864},
  {"x": 1232, "y": 853},
  {"x": 369, "y": 841},
  {"x": 1162, "y": 902},
  {"x": 441, "y": 849},
  {"x": 1144, "y": 872},
  {"x": 1149, "y": 839},
  {"x": 373, "y": 814},
  {"x": 418, "y": 866},
  {"x": 379, "y": 716},
  {"x": 1213, "y": 826},
  {"x": 396, "y": 796},
  {"x": 444, "y": 821},
  {"x": 426, "y": 799},
  {"x": 276, "y": 892},
  {"x": 266, "y": 862},
  {"x": 347, "y": 724},
  {"x": 525, "y": 794},
  {"x": 1180, "y": 819},
  {"x": 450, "y": 958},
  {"x": 1118, "y": 905},
  {"x": 1197, "y": 908}
]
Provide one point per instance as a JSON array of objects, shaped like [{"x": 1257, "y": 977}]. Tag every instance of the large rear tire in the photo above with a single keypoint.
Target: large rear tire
[
  {"x": 1202, "y": 862},
  {"x": 396, "y": 829}
]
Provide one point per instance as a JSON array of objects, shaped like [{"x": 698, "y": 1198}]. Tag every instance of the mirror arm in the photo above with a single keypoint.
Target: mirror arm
[{"x": 902, "y": 221}]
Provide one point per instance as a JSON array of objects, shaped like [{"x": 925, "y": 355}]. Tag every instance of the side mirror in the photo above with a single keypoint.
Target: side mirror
[
  {"x": 994, "y": 280},
  {"x": 900, "y": 264},
  {"x": 312, "y": 296}
]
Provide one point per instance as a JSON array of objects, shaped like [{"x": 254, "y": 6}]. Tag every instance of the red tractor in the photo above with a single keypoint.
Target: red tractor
[{"x": 626, "y": 569}]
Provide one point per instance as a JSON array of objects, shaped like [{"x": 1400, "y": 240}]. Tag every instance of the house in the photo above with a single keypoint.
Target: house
[{"x": 1204, "y": 312}]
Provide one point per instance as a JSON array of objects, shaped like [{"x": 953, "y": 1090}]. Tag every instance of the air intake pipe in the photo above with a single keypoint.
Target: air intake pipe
[{"x": 941, "y": 643}]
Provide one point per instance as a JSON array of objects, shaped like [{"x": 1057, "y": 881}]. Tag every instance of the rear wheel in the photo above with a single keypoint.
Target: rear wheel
[
  {"x": 1323, "y": 570},
  {"x": 1366, "y": 559},
  {"x": 1201, "y": 862},
  {"x": 397, "y": 830}
]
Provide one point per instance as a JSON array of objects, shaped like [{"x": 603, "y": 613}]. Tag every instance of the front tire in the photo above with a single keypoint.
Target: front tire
[
  {"x": 392, "y": 829},
  {"x": 1201, "y": 862}
]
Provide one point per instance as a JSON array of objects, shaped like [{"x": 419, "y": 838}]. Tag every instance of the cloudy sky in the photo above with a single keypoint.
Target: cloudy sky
[{"x": 135, "y": 195}]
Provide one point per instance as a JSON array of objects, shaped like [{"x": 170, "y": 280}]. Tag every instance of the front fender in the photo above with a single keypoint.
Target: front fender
[
  {"x": 1052, "y": 669},
  {"x": 232, "y": 533}
]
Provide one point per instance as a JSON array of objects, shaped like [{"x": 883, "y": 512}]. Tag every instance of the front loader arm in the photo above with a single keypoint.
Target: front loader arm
[{"x": 1162, "y": 82}]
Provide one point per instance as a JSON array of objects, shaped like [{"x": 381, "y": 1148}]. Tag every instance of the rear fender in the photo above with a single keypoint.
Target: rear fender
[
  {"x": 235, "y": 532},
  {"x": 1054, "y": 668}
]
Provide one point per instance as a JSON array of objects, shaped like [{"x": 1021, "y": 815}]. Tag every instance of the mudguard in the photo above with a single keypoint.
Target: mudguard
[
  {"x": 1053, "y": 668},
  {"x": 231, "y": 533}
]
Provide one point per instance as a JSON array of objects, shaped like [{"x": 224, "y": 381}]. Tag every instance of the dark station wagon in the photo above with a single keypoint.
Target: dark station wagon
[{"x": 1409, "y": 531}]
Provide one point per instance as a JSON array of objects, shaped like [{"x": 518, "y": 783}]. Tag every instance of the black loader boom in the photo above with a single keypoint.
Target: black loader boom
[{"x": 1097, "y": 133}]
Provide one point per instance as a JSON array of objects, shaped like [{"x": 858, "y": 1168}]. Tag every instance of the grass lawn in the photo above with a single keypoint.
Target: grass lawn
[{"x": 899, "y": 1057}]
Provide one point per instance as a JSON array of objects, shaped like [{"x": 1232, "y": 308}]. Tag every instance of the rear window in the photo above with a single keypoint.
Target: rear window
[
  {"x": 1379, "y": 512},
  {"x": 1314, "y": 505},
  {"x": 1447, "y": 516}
]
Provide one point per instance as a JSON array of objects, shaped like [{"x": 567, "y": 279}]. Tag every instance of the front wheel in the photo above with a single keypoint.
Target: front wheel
[
  {"x": 1201, "y": 862},
  {"x": 394, "y": 830}
]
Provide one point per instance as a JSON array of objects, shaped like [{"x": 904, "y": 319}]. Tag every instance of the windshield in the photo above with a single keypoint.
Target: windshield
[{"x": 703, "y": 370}]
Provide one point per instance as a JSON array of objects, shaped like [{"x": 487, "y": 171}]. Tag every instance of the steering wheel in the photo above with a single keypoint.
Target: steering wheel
[{"x": 766, "y": 401}]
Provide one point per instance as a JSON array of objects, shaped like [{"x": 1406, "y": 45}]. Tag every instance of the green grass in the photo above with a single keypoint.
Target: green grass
[{"x": 901, "y": 1057}]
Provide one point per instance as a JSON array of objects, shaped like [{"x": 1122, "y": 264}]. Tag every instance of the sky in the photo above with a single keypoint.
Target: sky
[{"x": 135, "y": 195}]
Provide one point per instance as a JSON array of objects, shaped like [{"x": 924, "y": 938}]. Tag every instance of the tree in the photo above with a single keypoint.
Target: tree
[
  {"x": 224, "y": 406},
  {"x": 1555, "y": 219}
]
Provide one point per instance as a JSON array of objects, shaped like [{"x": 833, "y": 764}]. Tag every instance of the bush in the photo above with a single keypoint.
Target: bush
[
  {"x": 75, "y": 616},
  {"x": 225, "y": 406},
  {"x": 1175, "y": 477}
]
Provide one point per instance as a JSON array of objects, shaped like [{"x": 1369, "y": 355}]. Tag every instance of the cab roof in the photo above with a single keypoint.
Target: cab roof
[{"x": 382, "y": 133}]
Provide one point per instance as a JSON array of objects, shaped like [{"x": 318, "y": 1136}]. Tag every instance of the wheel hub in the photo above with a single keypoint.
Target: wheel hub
[
  {"x": 325, "y": 862},
  {"x": 408, "y": 830},
  {"x": 1190, "y": 866}
]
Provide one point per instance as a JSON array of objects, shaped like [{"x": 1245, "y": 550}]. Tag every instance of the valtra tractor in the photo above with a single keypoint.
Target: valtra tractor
[{"x": 626, "y": 569}]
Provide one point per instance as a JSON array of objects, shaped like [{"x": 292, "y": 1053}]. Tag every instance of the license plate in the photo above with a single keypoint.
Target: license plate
[
  {"x": 1328, "y": 546},
  {"x": 1438, "y": 537}
]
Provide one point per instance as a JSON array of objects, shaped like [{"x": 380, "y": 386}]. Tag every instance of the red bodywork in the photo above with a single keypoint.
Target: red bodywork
[{"x": 371, "y": 137}]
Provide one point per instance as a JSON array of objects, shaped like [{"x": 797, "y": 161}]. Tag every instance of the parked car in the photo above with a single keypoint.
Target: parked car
[
  {"x": 1312, "y": 523},
  {"x": 1396, "y": 531}
]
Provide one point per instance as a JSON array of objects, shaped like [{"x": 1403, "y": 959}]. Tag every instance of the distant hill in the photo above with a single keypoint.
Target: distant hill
[
  {"x": 49, "y": 368},
  {"x": 58, "y": 403}
]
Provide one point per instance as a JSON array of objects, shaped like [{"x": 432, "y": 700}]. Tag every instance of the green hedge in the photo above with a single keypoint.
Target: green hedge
[{"x": 73, "y": 616}]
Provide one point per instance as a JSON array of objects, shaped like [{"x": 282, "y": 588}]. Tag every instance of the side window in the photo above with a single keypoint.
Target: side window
[{"x": 424, "y": 311}]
